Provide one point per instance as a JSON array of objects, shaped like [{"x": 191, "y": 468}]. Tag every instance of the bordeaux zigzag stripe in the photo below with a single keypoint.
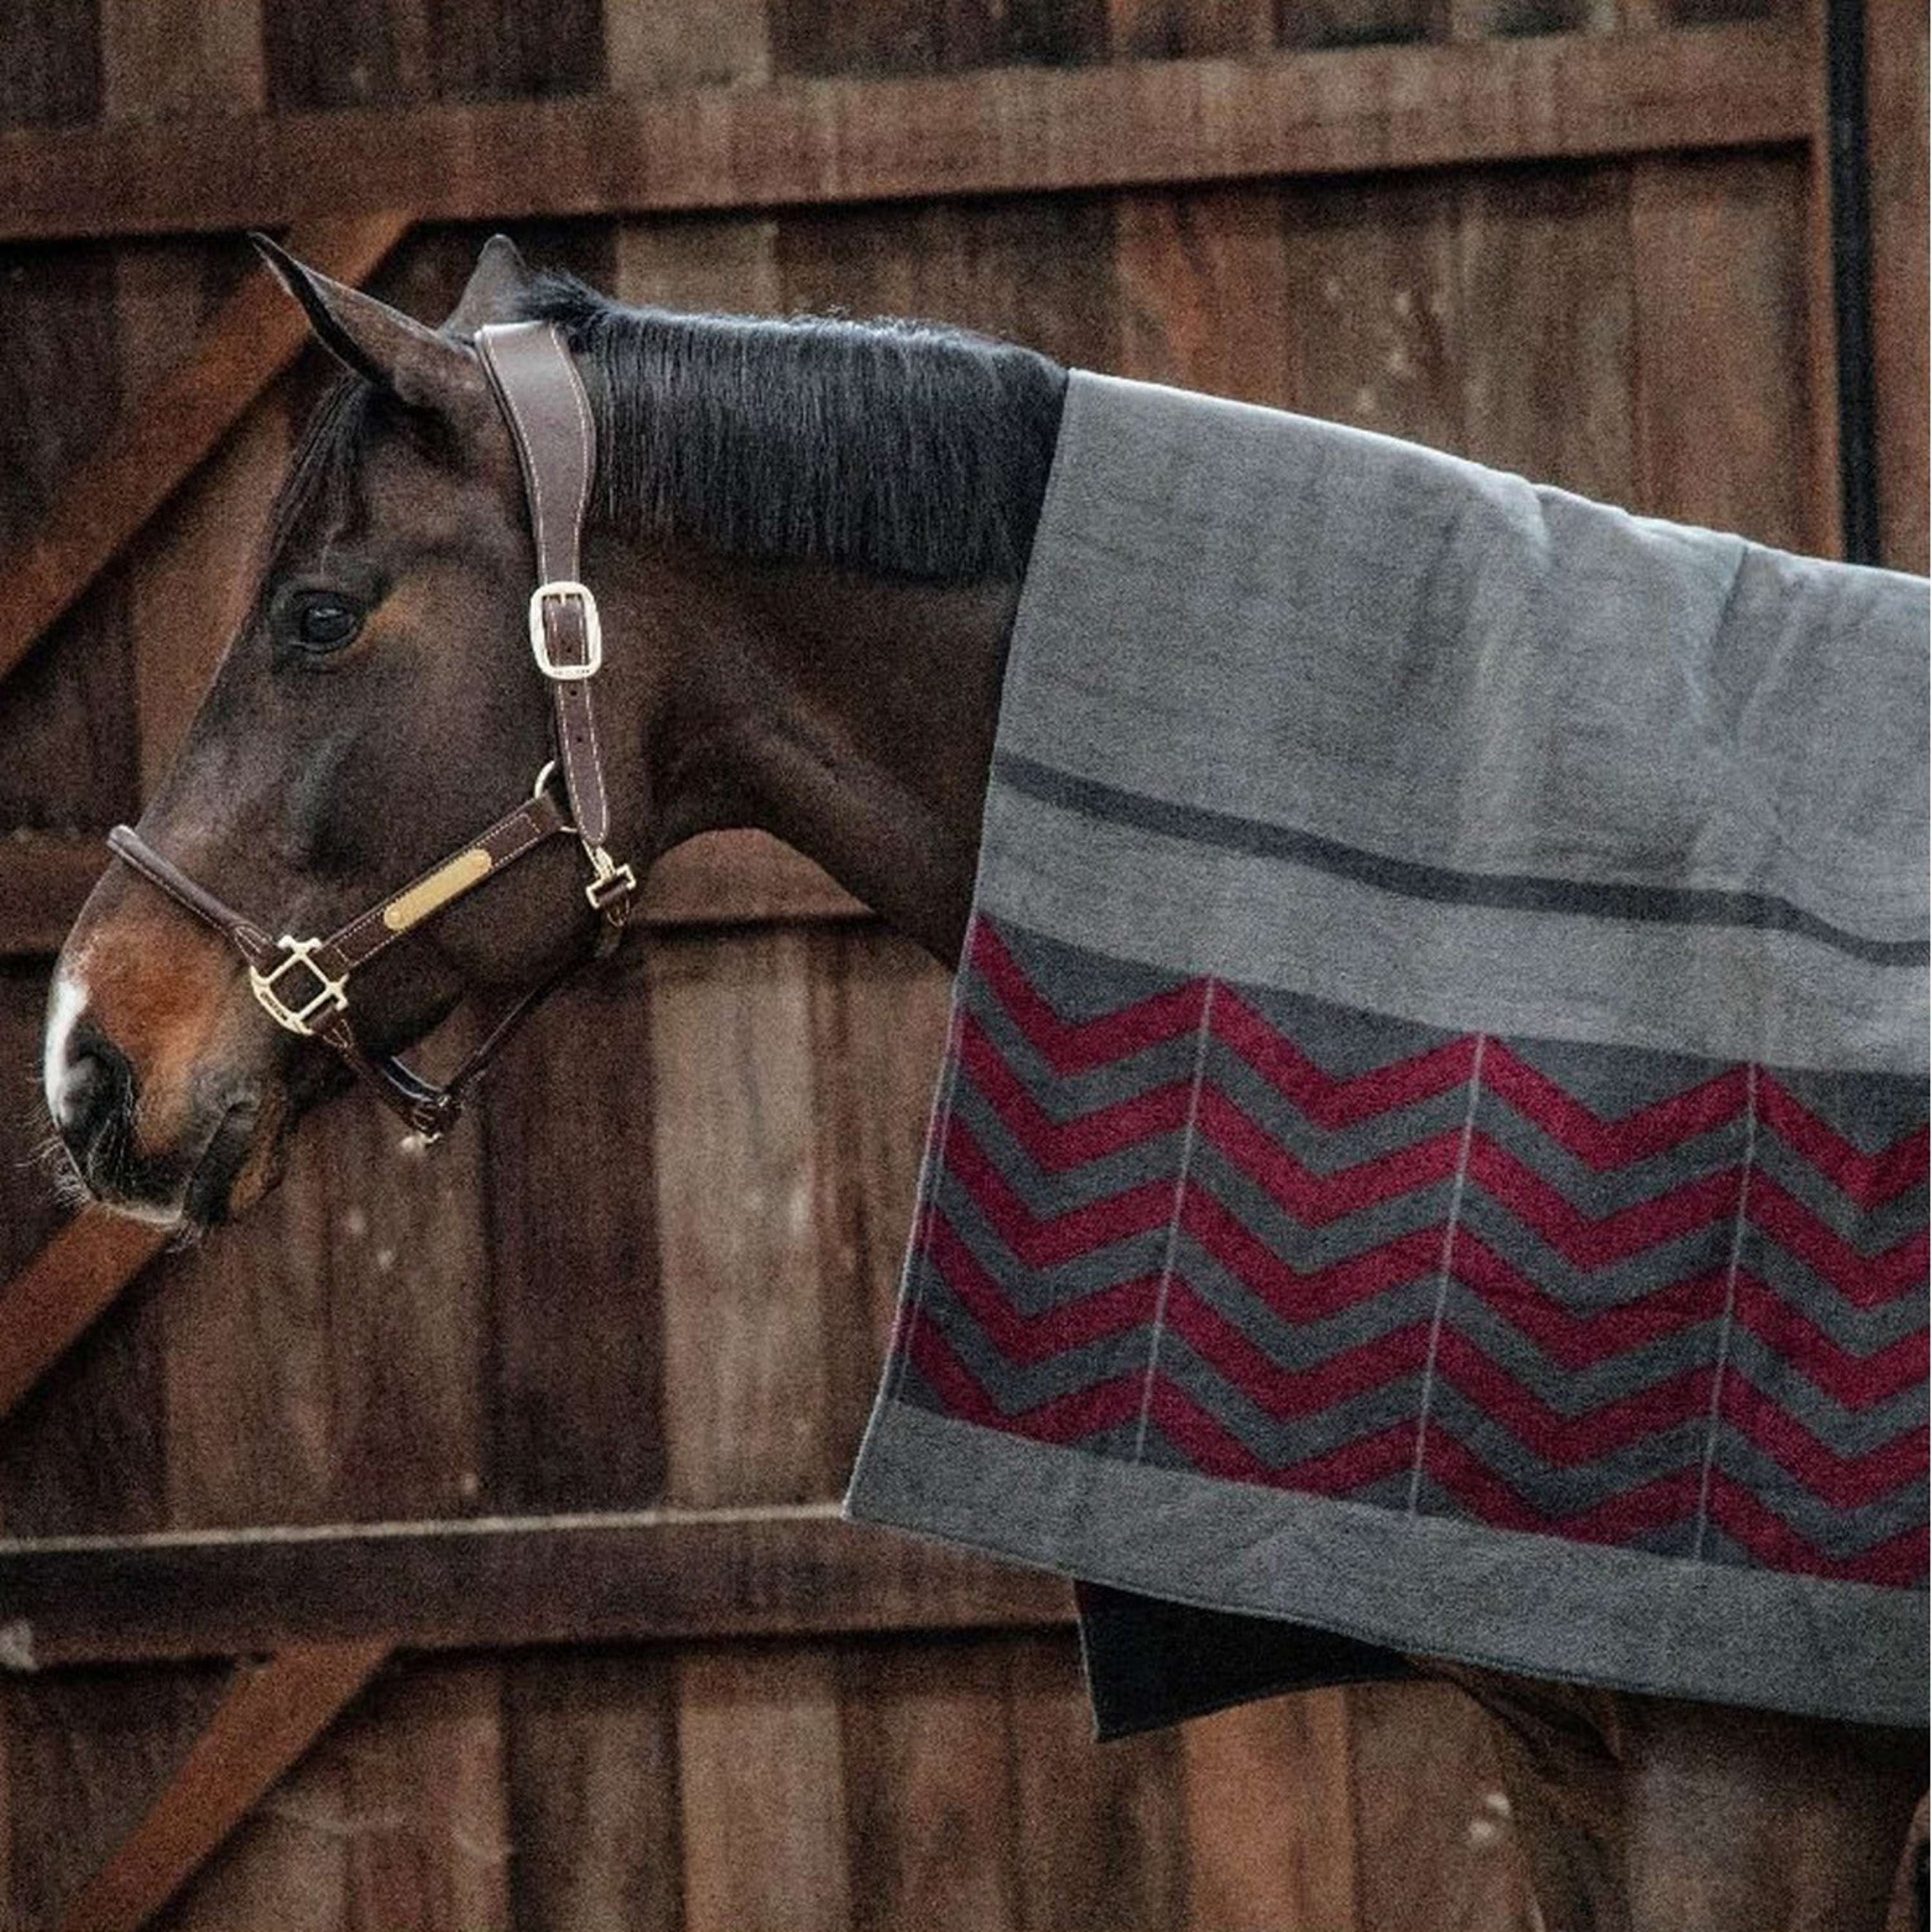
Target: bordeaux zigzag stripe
[{"x": 1599, "y": 1390}]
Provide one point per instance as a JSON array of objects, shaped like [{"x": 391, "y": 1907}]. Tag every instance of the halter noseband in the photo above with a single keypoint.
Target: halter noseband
[{"x": 302, "y": 984}]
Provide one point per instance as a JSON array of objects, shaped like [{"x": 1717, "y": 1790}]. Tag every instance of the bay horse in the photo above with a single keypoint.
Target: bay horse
[{"x": 807, "y": 539}]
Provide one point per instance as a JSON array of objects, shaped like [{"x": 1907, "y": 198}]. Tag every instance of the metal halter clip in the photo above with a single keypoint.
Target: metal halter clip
[
  {"x": 329, "y": 997},
  {"x": 563, "y": 589},
  {"x": 612, "y": 884}
]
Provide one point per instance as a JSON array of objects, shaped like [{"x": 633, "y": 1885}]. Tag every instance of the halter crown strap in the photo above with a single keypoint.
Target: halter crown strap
[{"x": 542, "y": 395}]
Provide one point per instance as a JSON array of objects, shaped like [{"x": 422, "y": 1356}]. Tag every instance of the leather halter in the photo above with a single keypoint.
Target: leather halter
[{"x": 302, "y": 984}]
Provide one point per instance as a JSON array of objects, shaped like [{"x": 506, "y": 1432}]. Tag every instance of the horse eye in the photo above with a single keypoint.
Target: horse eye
[{"x": 326, "y": 623}]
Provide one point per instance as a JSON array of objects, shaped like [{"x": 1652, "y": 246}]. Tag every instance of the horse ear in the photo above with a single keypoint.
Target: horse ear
[
  {"x": 377, "y": 342},
  {"x": 498, "y": 280}
]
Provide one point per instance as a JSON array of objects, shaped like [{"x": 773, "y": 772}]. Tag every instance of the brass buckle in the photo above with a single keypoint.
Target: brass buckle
[
  {"x": 563, "y": 588},
  {"x": 612, "y": 882},
  {"x": 329, "y": 997}
]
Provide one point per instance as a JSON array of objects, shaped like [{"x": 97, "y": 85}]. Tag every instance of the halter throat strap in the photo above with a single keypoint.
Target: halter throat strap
[{"x": 302, "y": 983}]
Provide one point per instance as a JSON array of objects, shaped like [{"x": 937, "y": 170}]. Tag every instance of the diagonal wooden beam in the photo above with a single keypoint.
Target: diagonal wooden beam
[
  {"x": 44, "y": 1309},
  {"x": 272, "y": 1713},
  {"x": 162, "y": 437}
]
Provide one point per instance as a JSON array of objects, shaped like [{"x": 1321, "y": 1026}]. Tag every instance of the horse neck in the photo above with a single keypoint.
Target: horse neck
[{"x": 850, "y": 716}]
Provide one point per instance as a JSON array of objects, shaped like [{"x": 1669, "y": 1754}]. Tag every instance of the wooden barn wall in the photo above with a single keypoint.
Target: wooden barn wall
[{"x": 659, "y": 1269}]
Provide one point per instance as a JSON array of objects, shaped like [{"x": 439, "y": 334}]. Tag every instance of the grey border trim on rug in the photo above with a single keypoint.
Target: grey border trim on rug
[{"x": 1433, "y": 1586}]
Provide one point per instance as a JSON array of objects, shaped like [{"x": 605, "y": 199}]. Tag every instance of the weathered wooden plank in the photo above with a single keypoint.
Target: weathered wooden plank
[
  {"x": 750, "y": 1289},
  {"x": 761, "y": 1779},
  {"x": 64, "y": 1288},
  {"x": 387, "y": 52},
  {"x": 1170, "y": 29},
  {"x": 1435, "y": 1851},
  {"x": 930, "y": 1785},
  {"x": 577, "y": 1363},
  {"x": 1544, "y": 286},
  {"x": 1378, "y": 315},
  {"x": 270, "y": 1717},
  {"x": 1723, "y": 419},
  {"x": 1270, "y": 1817},
  {"x": 1098, "y": 1835},
  {"x": 1207, "y": 293},
  {"x": 156, "y": 443},
  {"x": 492, "y": 1581},
  {"x": 67, "y": 721},
  {"x": 1895, "y": 44},
  {"x": 51, "y": 76},
  {"x": 83, "y": 1752},
  {"x": 834, "y": 37},
  {"x": 393, "y": 1819},
  {"x": 591, "y": 1758},
  {"x": 159, "y": 60},
  {"x": 800, "y": 142}
]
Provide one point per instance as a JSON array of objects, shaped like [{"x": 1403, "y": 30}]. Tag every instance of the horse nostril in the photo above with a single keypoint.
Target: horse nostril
[{"x": 98, "y": 1084}]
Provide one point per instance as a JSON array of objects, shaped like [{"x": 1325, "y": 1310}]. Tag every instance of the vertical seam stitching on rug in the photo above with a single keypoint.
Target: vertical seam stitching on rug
[
  {"x": 1728, "y": 1321},
  {"x": 1174, "y": 1220},
  {"x": 1456, "y": 1193},
  {"x": 900, "y": 1363}
]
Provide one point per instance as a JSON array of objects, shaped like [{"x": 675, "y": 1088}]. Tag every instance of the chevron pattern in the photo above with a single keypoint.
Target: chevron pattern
[{"x": 1593, "y": 1292}]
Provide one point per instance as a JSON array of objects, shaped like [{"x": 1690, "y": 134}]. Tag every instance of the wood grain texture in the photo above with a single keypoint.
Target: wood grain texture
[
  {"x": 51, "y": 77},
  {"x": 1434, "y": 1851},
  {"x": 577, "y": 1363},
  {"x": 1896, "y": 108},
  {"x": 1717, "y": 443},
  {"x": 269, "y": 1717},
  {"x": 67, "y": 721},
  {"x": 1269, "y": 1792},
  {"x": 161, "y": 58},
  {"x": 930, "y": 1789},
  {"x": 158, "y": 442},
  {"x": 807, "y": 142},
  {"x": 1378, "y": 315},
  {"x": 466, "y": 1582},
  {"x": 591, "y": 1788},
  {"x": 325, "y": 1355},
  {"x": 1097, "y": 1834},
  {"x": 1207, "y": 295},
  {"x": 357, "y": 52},
  {"x": 1551, "y": 394},
  {"x": 761, "y": 1778},
  {"x": 83, "y": 1752},
  {"x": 1826, "y": 494}
]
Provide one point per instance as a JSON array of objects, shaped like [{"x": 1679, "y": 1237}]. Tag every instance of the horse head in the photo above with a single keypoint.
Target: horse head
[{"x": 376, "y": 705}]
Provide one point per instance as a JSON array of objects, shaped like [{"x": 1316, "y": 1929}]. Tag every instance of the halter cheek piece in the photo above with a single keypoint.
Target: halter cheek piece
[{"x": 302, "y": 984}]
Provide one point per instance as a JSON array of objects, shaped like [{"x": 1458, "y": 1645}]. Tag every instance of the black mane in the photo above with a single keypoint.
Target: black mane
[{"x": 899, "y": 449}]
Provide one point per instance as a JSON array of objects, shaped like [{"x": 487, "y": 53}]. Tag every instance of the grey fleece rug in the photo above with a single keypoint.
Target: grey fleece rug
[{"x": 1432, "y": 1142}]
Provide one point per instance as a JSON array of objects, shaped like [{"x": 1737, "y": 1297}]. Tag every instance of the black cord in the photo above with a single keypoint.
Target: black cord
[{"x": 1851, "y": 275}]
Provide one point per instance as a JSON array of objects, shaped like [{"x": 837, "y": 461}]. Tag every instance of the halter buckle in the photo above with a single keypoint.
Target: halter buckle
[
  {"x": 611, "y": 883},
  {"x": 329, "y": 997},
  {"x": 565, "y": 589}
]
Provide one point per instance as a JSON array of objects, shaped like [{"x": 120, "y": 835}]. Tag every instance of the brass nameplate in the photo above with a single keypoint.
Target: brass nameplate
[{"x": 409, "y": 908}]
